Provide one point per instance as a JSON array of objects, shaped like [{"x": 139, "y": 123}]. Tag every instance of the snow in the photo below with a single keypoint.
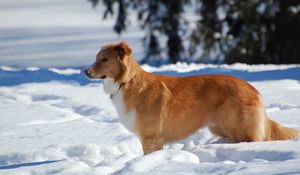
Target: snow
[
  {"x": 185, "y": 67},
  {"x": 67, "y": 71},
  {"x": 55, "y": 33},
  {"x": 55, "y": 121},
  {"x": 66, "y": 127}
]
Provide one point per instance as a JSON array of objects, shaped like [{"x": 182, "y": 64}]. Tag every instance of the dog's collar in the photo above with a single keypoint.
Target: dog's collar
[{"x": 112, "y": 95}]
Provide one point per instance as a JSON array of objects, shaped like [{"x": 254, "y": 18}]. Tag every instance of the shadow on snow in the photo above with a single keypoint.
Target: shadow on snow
[
  {"x": 28, "y": 164},
  {"x": 11, "y": 78}
]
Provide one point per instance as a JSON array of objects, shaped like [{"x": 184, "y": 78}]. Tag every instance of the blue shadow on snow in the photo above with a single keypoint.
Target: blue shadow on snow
[
  {"x": 11, "y": 78},
  {"x": 28, "y": 164}
]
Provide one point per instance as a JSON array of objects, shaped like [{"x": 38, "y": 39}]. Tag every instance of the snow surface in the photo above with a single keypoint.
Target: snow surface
[
  {"x": 55, "y": 33},
  {"x": 68, "y": 126}
]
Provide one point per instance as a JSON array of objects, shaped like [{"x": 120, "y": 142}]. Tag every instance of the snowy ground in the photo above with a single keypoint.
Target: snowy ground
[
  {"x": 55, "y": 33},
  {"x": 55, "y": 121},
  {"x": 61, "y": 127}
]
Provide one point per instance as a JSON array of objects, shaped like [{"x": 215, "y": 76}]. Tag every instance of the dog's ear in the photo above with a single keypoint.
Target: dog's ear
[{"x": 123, "y": 49}]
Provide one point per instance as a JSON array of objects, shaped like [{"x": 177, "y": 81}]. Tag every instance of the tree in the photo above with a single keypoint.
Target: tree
[
  {"x": 157, "y": 17},
  {"x": 260, "y": 31}
]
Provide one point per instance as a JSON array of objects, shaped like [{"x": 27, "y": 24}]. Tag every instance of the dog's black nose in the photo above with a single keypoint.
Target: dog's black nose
[{"x": 87, "y": 72}]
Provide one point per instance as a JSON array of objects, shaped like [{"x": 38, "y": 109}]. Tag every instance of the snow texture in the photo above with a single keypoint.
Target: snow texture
[
  {"x": 61, "y": 127},
  {"x": 55, "y": 33}
]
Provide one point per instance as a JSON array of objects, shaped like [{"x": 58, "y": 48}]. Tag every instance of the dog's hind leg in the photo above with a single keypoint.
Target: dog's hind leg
[{"x": 217, "y": 131}]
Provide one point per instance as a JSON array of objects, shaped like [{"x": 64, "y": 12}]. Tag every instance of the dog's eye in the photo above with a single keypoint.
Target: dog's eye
[{"x": 104, "y": 59}]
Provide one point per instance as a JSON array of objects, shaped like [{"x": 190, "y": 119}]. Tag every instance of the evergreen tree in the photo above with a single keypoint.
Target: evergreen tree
[
  {"x": 248, "y": 31},
  {"x": 262, "y": 31},
  {"x": 157, "y": 17}
]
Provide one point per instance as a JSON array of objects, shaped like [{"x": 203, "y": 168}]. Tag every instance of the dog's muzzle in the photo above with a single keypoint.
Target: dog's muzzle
[{"x": 88, "y": 73}]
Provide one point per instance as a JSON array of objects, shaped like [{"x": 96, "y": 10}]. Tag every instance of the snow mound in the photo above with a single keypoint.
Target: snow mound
[
  {"x": 185, "y": 67},
  {"x": 65, "y": 71},
  {"x": 155, "y": 159}
]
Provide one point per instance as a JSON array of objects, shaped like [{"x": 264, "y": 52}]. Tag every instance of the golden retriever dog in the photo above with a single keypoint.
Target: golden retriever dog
[{"x": 160, "y": 109}]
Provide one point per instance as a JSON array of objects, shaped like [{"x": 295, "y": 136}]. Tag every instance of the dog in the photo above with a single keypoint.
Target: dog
[{"x": 161, "y": 109}]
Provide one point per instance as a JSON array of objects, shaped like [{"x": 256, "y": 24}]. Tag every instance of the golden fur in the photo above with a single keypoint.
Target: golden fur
[{"x": 171, "y": 108}]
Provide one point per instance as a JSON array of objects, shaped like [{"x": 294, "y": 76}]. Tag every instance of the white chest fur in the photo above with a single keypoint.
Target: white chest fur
[{"x": 127, "y": 118}]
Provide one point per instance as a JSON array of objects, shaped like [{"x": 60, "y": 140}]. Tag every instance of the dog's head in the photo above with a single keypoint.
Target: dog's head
[{"x": 109, "y": 62}]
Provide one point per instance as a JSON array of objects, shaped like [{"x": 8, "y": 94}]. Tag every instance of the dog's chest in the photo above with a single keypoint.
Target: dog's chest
[{"x": 127, "y": 118}]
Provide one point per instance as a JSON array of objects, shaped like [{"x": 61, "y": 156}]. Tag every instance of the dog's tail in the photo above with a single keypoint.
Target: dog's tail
[{"x": 275, "y": 131}]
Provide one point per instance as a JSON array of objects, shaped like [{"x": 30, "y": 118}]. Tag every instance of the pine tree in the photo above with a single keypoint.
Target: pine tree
[
  {"x": 253, "y": 32},
  {"x": 260, "y": 31},
  {"x": 284, "y": 33},
  {"x": 157, "y": 17}
]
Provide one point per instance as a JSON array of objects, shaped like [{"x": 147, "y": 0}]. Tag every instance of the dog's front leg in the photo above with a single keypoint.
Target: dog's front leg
[{"x": 152, "y": 143}]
